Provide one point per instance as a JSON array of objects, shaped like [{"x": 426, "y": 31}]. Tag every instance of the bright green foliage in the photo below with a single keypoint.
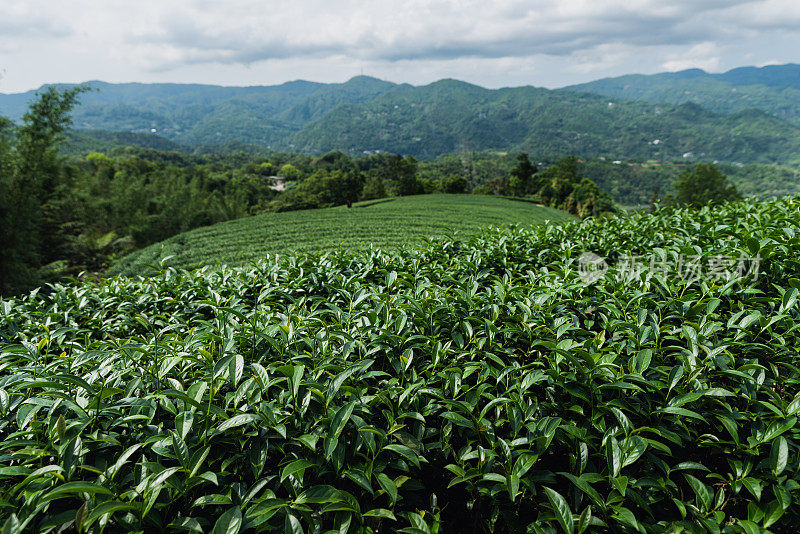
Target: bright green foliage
[
  {"x": 563, "y": 186},
  {"x": 466, "y": 386},
  {"x": 387, "y": 223},
  {"x": 290, "y": 172}
]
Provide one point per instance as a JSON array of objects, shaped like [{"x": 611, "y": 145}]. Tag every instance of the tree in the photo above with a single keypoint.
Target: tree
[
  {"x": 290, "y": 172},
  {"x": 587, "y": 200},
  {"x": 520, "y": 182},
  {"x": 334, "y": 161},
  {"x": 402, "y": 175},
  {"x": 705, "y": 184},
  {"x": 563, "y": 186},
  {"x": 323, "y": 189},
  {"x": 346, "y": 186},
  {"x": 497, "y": 185},
  {"x": 373, "y": 187},
  {"x": 455, "y": 183},
  {"x": 30, "y": 180}
]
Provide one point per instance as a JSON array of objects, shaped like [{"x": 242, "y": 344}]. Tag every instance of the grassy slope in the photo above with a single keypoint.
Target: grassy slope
[{"x": 384, "y": 223}]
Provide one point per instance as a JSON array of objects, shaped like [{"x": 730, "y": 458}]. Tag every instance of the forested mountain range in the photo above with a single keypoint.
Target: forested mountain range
[
  {"x": 773, "y": 89},
  {"x": 686, "y": 115}
]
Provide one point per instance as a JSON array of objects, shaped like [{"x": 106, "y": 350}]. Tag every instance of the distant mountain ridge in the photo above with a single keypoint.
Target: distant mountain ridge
[
  {"x": 203, "y": 114},
  {"x": 774, "y": 89},
  {"x": 637, "y": 116}
]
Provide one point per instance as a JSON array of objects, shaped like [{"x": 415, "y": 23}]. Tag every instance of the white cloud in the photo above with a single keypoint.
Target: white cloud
[
  {"x": 765, "y": 15},
  {"x": 246, "y": 31},
  {"x": 701, "y": 56},
  {"x": 495, "y": 42}
]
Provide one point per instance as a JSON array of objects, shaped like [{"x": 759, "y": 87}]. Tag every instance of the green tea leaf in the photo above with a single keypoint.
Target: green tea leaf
[
  {"x": 561, "y": 509},
  {"x": 380, "y": 512},
  {"x": 388, "y": 485},
  {"x": 295, "y": 467},
  {"x": 73, "y": 488},
  {"x": 779, "y": 455},
  {"x": 341, "y": 418},
  {"x": 704, "y": 496},
  {"x": 238, "y": 420},
  {"x": 405, "y": 452},
  {"x": 292, "y": 525},
  {"x": 229, "y": 523}
]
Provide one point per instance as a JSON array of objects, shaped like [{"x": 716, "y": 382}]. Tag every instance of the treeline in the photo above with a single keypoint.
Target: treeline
[
  {"x": 562, "y": 186},
  {"x": 634, "y": 183}
]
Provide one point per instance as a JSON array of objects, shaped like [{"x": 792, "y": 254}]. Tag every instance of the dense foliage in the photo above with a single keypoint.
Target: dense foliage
[
  {"x": 467, "y": 386},
  {"x": 562, "y": 186},
  {"x": 337, "y": 179},
  {"x": 82, "y": 142},
  {"x": 634, "y": 184},
  {"x": 451, "y": 116},
  {"x": 73, "y": 216},
  {"x": 31, "y": 183}
]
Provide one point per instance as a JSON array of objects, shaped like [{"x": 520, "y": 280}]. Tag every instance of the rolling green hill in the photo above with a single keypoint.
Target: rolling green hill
[
  {"x": 774, "y": 89},
  {"x": 366, "y": 114},
  {"x": 387, "y": 223}
]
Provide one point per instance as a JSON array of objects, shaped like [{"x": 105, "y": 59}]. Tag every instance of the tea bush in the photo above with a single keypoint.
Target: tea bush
[{"x": 475, "y": 385}]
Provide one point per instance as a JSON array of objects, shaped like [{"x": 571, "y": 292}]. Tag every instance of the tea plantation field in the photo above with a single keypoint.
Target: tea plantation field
[
  {"x": 385, "y": 224},
  {"x": 470, "y": 385}
]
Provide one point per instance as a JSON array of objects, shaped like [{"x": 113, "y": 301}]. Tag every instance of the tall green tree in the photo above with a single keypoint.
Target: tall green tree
[
  {"x": 455, "y": 183},
  {"x": 402, "y": 175},
  {"x": 521, "y": 180},
  {"x": 702, "y": 185},
  {"x": 323, "y": 189},
  {"x": 373, "y": 187},
  {"x": 31, "y": 176}
]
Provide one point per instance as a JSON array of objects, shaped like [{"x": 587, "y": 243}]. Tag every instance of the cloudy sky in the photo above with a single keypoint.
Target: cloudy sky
[{"x": 493, "y": 43}]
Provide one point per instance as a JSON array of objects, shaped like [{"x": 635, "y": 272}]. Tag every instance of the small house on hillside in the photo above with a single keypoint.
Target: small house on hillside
[{"x": 278, "y": 183}]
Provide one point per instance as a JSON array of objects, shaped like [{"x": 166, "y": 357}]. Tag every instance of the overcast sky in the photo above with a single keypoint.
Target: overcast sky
[{"x": 492, "y": 43}]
